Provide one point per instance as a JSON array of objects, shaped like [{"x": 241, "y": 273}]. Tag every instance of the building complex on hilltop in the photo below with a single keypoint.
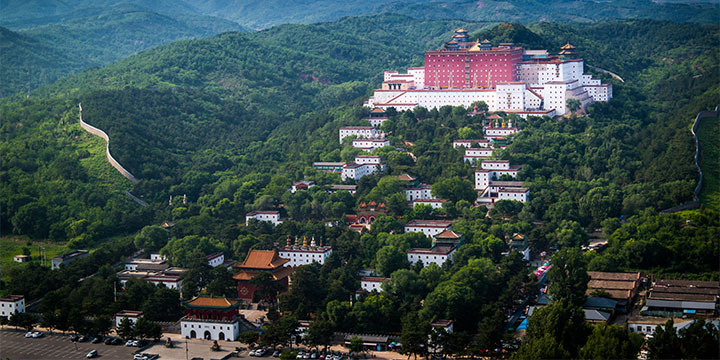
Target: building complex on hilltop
[{"x": 506, "y": 77}]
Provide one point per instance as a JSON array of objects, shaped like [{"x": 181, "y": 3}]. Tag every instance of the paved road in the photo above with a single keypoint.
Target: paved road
[{"x": 14, "y": 346}]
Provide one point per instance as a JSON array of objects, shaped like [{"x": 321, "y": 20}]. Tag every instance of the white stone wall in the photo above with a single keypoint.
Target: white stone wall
[
  {"x": 510, "y": 96},
  {"x": 229, "y": 330},
  {"x": 434, "y": 204},
  {"x": 370, "y": 144},
  {"x": 298, "y": 258},
  {"x": 374, "y": 160},
  {"x": 495, "y": 165},
  {"x": 371, "y": 285},
  {"x": 482, "y": 180},
  {"x": 273, "y": 218},
  {"x": 119, "y": 319},
  {"x": 512, "y": 195},
  {"x": 217, "y": 261},
  {"x": 357, "y": 172},
  {"x": 429, "y": 258},
  {"x": 427, "y": 230},
  {"x": 359, "y": 131},
  {"x": 418, "y": 193}
]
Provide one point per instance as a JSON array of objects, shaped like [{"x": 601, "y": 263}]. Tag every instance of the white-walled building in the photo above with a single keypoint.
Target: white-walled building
[
  {"x": 494, "y": 131},
  {"x": 370, "y": 145},
  {"x": 370, "y": 160},
  {"x": 422, "y": 191},
  {"x": 342, "y": 187},
  {"x": 67, "y": 258},
  {"x": 215, "y": 259},
  {"x": 146, "y": 264},
  {"x": 471, "y": 142},
  {"x": 377, "y": 117},
  {"x": 517, "y": 194},
  {"x": 301, "y": 185},
  {"x": 507, "y": 78},
  {"x": 367, "y": 132},
  {"x": 435, "y": 203},
  {"x": 434, "y": 255},
  {"x": 22, "y": 258},
  {"x": 428, "y": 227},
  {"x": 305, "y": 254},
  {"x": 131, "y": 315},
  {"x": 493, "y": 170},
  {"x": 355, "y": 171},
  {"x": 272, "y": 216},
  {"x": 156, "y": 256},
  {"x": 474, "y": 155},
  {"x": 211, "y": 318},
  {"x": 169, "y": 277},
  {"x": 373, "y": 283},
  {"x": 10, "y": 304}
]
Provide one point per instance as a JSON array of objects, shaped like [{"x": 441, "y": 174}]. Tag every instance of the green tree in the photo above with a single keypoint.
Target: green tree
[
  {"x": 266, "y": 288},
  {"x": 126, "y": 328},
  {"x": 557, "y": 330},
  {"x": 568, "y": 276},
  {"x": 279, "y": 332},
  {"x": 467, "y": 133},
  {"x": 700, "y": 340},
  {"x": 454, "y": 189},
  {"x": 249, "y": 338},
  {"x": 143, "y": 328},
  {"x": 320, "y": 333},
  {"x": 665, "y": 343},
  {"x": 356, "y": 345},
  {"x": 389, "y": 259},
  {"x": 573, "y": 104},
  {"x": 608, "y": 342},
  {"x": 151, "y": 238},
  {"x": 101, "y": 325},
  {"x": 415, "y": 333}
]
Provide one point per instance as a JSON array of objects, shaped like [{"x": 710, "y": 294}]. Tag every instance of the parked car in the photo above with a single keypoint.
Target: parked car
[
  {"x": 96, "y": 340},
  {"x": 74, "y": 338},
  {"x": 142, "y": 343},
  {"x": 91, "y": 354},
  {"x": 83, "y": 338},
  {"x": 141, "y": 357},
  {"x": 29, "y": 334},
  {"x": 276, "y": 353},
  {"x": 109, "y": 341},
  {"x": 129, "y": 343},
  {"x": 252, "y": 353},
  {"x": 117, "y": 341}
]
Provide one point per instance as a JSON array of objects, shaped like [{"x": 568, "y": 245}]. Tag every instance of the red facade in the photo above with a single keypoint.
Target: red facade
[
  {"x": 471, "y": 69},
  {"x": 227, "y": 315},
  {"x": 246, "y": 290}
]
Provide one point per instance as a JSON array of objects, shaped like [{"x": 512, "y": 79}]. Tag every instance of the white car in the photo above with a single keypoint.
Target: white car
[
  {"x": 129, "y": 343},
  {"x": 37, "y": 334},
  {"x": 91, "y": 354},
  {"x": 29, "y": 334},
  {"x": 140, "y": 357}
]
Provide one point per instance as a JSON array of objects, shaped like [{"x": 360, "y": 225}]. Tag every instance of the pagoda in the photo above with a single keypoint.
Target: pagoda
[{"x": 256, "y": 262}]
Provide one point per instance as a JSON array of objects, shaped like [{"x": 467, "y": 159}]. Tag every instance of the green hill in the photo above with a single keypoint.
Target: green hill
[{"x": 41, "y": 55}]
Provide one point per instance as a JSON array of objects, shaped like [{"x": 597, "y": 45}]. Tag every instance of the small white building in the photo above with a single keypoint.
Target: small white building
[
  {"x": 170, "y": 277},
  {"x": 131, "y": 315},
  {"x": 369, "y": 159},
  {"x": 492, "y": 170},
  {"x": 67, "y": 258},
  {"x": 517, "y": 194},
  {"x": 434, "y": 255},
  {"x": 648, "y": 325},
  {"x": 446, "y": 325},
  {"x": 145, "y": 264},
  {"x": 342, "y": 187},
  {"x": 355, "y": 171},
  {"x": 470, "y": 142},
  {"x": 156, "y": 256},
  {"x": 271, "y": 216},
  {"x": 21, "y": 258},
  {"x": 215, "y": 259},
  {"x": 11, "y": 304},
  {"x": 303, "y": 255},
  {"x": 428, "y": 227},
  {"x": 370, "y": 145},
  {"x": 496, "y": 132},
  {"x": 361, "y": 132},
  {"x": 371, "y": 283},
  {"x": 301, "y": 185},
  {"x": 474, "y": 155},
  {"x": 435, "y": 203},
  {"x": 422, "y": 191}
]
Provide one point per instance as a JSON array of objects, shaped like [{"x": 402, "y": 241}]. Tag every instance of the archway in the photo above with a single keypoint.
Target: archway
[
  {"x": 193, "y": 334},
  {"x": 207, "y": 335},
  {"x": 221, "y": 336}
]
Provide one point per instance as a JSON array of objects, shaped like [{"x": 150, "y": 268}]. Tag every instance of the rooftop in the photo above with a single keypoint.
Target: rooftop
[
  {"x": 262, "y": 259},
  {"x": 435, "y": 250},
  {"x": 622, "y": 276},
  {"x": 429, "y": 223},
  {"x": 212, "y": 302}
]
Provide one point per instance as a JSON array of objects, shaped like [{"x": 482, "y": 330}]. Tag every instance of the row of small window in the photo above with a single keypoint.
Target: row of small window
[{"x": 200, "y": 327}]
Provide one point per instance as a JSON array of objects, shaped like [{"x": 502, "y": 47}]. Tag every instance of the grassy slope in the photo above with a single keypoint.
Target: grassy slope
[
  {"x": 708, "y": 132},
  {"x": 11, "y": 246},
  {"x": 97, "y": 165}
]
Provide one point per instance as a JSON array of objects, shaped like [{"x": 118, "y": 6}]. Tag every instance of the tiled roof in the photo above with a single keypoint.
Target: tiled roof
[
  {"x": 448, "y": 234},
  {"x": 204, "y": 301},
  {"x": 262, "y": 259}
]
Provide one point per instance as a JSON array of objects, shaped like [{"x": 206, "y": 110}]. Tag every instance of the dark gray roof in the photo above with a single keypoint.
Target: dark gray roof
[
  {"x": 680, "y": 304},
  {"x": 600, "y": 303},
  {"x": 596, "y": 315}
]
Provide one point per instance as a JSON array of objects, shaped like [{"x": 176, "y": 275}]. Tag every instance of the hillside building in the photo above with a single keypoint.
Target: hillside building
[
  {"x": 372, "y": 283},
  {"x": 682, "y": 297},
  {"x": 326, "y": 166},
  {"x": 434, "y": 255},
  {"x": 506, "y": 77},
  {"x": 377, "y": 117},
  {"x": 422, "y": 191},
  {"x": 475, "y": 155},
  {"x": 301, "y": 185},
  {"x": 305, "y": 254},
  {"x": 370, "y": 145},
  {"x": 434, "y": 203},
  {"x": 342, "y": 187},
  {"x": 271, "y": 216},
  {"x": 428, "y": 227},
  {"x": 65, "y": 259},
  {"x": 483, "y": 143}
]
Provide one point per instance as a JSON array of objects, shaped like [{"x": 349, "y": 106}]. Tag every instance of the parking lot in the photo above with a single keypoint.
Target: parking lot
[{"x": 14, "y": 346}]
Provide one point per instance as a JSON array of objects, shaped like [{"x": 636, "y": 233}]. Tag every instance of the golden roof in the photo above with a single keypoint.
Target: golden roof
[
  {"x": 262, "y": 259},
  {"x": 211, "y": 302},
  {"x": 460, "y": 30},
  {"x": 567, "y": 46}
]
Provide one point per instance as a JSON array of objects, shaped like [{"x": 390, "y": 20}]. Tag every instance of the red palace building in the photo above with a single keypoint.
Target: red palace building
[
  {"x": 462, "y": 64},
  {"x": 256, "y": 262},
  {"x": 211, "y": 318}
]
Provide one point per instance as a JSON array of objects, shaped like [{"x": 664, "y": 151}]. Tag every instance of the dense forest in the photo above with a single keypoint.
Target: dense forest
[
  {"x": 233, "y": 120},
  {"x": 33, "y": 56}
]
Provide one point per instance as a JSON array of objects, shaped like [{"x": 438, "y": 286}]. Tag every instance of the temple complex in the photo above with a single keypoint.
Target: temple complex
[{"x": 256, "y": 262}]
